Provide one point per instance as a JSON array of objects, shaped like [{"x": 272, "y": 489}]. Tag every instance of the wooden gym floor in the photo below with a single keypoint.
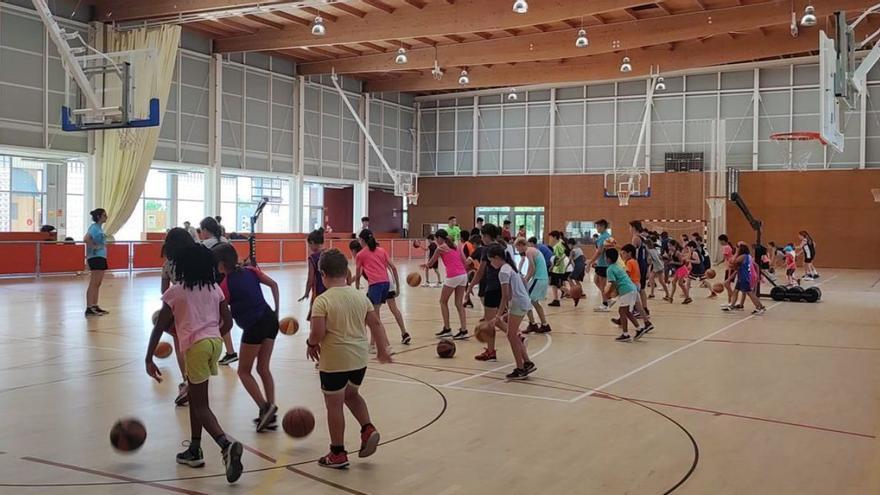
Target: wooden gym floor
[{"x": 710, "y": 403}]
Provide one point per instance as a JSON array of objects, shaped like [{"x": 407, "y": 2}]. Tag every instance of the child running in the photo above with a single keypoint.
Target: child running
[
  {"x": 175, "y": 241},
  {"x": 628, "y": 297},
  {"x": 728, "y": 254},
  {"x": 628, "y": 254},
  {"x": 578, "y": 266},
  {"x": 790, "y": 266},
  {"x": 656, "y": 267},
  {"x": 808, "y": 247},
  {"x": 201, "y": 317},
  {"x": 314, "y": 284},
  {"x": 338, "y": 343},
  {"x": 489, "y": 284},
  {"x": 455, "y": 284},
  {"x": 536, "y": 280},
  {"x": 515, "y": 303},
  {"x": 259, "y": 324},
  {"x": 390, "y": 301},
  {"x": 600, "y": 262},
  {"x": 743, "y": 272},
  {"x": 557, "y": 271},
  {"x": 432, "y": 248}
]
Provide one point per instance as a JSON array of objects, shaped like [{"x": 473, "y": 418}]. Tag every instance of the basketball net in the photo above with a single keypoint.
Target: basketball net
[
  {"x": 793, "y": 159},
  {"x": 413, "y": 198},
  {"x": 623, "y": 197},
  {"x": 716, "y": 205},
  {"x": 876, "y": 193}
]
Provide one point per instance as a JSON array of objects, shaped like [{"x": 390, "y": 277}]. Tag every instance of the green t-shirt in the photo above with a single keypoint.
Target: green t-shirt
[
  {"x": 600, "y": 243},
  {"x": 454, "y": 232},
  {"x": 344, "y": 347},
  {"x": 558, "y": 258},
  {"x": 617, "y": 276}
]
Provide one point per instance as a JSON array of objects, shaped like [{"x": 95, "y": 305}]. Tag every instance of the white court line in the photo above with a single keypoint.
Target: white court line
[
  {"x": 672, "y": 353},
  {"x": 499, "y": 368},
  {"x": 509, "y": 394}
]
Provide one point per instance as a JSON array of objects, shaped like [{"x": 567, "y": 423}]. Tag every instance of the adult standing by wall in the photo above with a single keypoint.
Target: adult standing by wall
[{"x": 96, "y": 256}]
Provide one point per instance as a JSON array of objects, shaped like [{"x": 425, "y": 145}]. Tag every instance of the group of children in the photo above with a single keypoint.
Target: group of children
[{"x": 205, "y": 288}]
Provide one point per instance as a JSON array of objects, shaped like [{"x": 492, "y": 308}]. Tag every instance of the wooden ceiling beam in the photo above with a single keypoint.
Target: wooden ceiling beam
[
  {"x": 603, "y": 39},
  {"x": 129, "y": 10},
  {"x": 419, "y": 4},
  {"x": 716, "y": 51},
  {"x": 348, "y": 9},
  {"x": 293, "y": 18},
  {"x": 236, "y": 25},
  {"x": 318, "y": 13},
  {"x": 376, "y": 4},
  {"x": 264, "y": 21},
  {"x": 436, "y": 19}
]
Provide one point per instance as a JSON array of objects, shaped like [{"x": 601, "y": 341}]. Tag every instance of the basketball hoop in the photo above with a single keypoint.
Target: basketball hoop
[
  {"x": 876, "y": 193},
  {"x": 623, "y": 197},
  {"x": 127, "y": 137},
  {"x": 716, "y": 205},
  {"x": 413, "y": 198},
  {"x": 795, "y": 159}
]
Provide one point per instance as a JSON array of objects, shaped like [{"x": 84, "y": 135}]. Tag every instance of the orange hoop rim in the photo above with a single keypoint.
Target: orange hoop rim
[{"x": 798, "y": 136}]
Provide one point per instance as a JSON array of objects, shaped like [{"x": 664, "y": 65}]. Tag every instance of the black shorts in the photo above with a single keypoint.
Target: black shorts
[
  {"x": 492, "y": 299},
  {"x": 809, "y": 259},
  {"x": 265, "y": 328},
  {"x": 789, "y": 272},
  {"x": 391, "y": 295},
  {"x": 643, "y": 273},
  {"x": 432, "y": 266},
  {"x": 336, "y": 381},
  {"x": 558, "y": 279},
  {"x": 97, "y": 264},
  {"x": 602, "y": 271}
]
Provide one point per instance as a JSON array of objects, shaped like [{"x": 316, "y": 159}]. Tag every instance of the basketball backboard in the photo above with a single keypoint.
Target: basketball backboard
[{"x": 831, "y": 124}]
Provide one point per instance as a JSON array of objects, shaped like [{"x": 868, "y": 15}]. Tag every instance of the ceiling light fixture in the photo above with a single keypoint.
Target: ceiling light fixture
[
  {"x": 660, "y": 86},
  {"x": 626, "y": 66},
  {"x": 463, "y": 79},
  {"x": 582, "y": 40},
  {"x": 401, "y": 56},
  {"x": 318, "y": 28},
  {"x": 511, "y": 95},
  {"x": 437, "y": 72},
  {"x": 809, "y": 18},
  {"x": 520, "y": 6}
]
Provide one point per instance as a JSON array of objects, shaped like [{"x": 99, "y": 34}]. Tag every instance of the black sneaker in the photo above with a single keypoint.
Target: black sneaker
[
  {"x": 232, "y": 461},
  {"x": 266, "y": 415},
  {"x": 228, "y": 359},
  {"x": 554, "y": 303},
  {"x": 100, "y": 311},
  {"x": 461, "y": 335},
  {"x": 271, "y": 425},
  {"x": 445, "y": 333},
  {"x": 544, "y": 328},
  {"x": 532, "y": 327},
  {"x": 182, "y": 395},
  {"x": 517, "y": 374},
  {"x": 529, "y": 367},
  {"x": 639, "y": 333},
  {"x": 191, "y": 457},
  {"x": 616, "y": 321},
  {"x": 648, "y": 327},
  {"x": 405, "y": 339},
  {"x": 92, "y": 312},
  {"x": 624, "y": 338},
  {"x": 468, "y": 304}
]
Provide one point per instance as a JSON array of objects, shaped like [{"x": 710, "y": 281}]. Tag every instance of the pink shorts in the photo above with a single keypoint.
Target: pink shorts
[{"x": 682, "y": 272}]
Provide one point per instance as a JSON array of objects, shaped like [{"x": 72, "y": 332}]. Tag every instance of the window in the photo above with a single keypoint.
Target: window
[
  {"x": 22, "y": 194},
  {"x": 170, "y": 198},
  {"x": 239, "y": 197},
  {"x": 190, "y": 197},
  {"x": 531, "y": 217},
  {"x": 313, "y": 207},
  {"x": 157, "y": 201},
  {"x": 582, "y": 231},
  {"x": 74, "y": 212}
]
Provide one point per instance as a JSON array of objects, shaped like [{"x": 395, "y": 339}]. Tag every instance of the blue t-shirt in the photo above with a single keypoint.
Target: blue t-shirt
[
  {"x": 245, "y": 296},
  {"x": 97, "y": 234},
  {"x": 547, "y": 252},
  {"x": 600, "y": 243},
  {"x": 617, "y": 276}
]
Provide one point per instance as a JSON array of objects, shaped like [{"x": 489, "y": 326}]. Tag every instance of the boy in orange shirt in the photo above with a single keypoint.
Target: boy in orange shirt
[{"x": 628, "y": 254}]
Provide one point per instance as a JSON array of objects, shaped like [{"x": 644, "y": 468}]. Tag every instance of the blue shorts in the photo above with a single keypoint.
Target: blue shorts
[
  {"x": 743, "y": 285},
  {"x": 378, "y": 293},
  {"x": 538, "y": 290}
]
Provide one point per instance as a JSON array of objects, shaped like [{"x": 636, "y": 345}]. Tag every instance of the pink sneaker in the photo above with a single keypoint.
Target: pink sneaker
[
  {"x": 335, "y": 461},
  {"x": 369, "y": 441}
]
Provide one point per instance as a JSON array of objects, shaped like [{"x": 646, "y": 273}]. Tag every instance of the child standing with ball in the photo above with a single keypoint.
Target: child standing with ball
[
  {"x": 201, "y": 317},
  {"x": 259, "y": 323},
  {"x": 515, "y": 303},
  {"x": 338, "y": 342}
]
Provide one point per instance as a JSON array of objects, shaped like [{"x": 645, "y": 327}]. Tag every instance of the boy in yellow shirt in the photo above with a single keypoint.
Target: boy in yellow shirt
[{"x": 338, "y": 342}]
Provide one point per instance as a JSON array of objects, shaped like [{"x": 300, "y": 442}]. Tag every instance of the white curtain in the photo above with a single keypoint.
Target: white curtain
[{"x": 127, "y": 154}]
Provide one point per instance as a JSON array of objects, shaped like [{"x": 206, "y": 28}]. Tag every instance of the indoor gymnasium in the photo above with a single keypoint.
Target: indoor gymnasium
[{"x": 439, "y": 247}]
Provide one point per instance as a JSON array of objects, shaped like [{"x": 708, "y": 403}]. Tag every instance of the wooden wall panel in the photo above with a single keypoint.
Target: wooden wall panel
[{"x": 835, "y": 206}]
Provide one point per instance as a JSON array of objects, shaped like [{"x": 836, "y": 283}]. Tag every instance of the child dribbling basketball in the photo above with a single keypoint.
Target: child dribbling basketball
[
  {"x": 201, "y": 317},
  {"x": 515, "y": 303},
  {"x": 259, "y": 325},
  {"x": 338, "y": 342}
]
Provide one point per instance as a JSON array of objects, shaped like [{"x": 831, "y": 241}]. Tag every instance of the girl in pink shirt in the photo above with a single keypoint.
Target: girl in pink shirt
[
  {"x": 375, "y": 263},
  {"x": 455, "y": 283}
]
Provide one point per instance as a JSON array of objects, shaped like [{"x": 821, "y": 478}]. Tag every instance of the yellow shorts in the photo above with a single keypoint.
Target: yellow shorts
[{"x": 201, "y": 359}]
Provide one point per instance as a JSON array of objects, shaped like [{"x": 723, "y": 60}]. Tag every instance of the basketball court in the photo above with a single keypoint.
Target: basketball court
[{"x": 704, "y": 120}]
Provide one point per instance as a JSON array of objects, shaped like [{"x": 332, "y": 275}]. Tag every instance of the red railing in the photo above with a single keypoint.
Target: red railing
[{"x": 35, "y": 258}]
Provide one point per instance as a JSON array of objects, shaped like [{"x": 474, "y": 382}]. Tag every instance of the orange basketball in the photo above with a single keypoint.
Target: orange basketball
[
  {"x": 710, "y": 274},
  {"x": 446, "y": 348},
  {"x": 127, "y": 435},
  {"x": 417, "y": 244},
  {"x": 298, "y": 422},
  {"x": 576, "y": 292},
  {"x": 288, "y": 326},
  {"x": 163, "y": 350},
  {"x": 413, "y": 279},
  {"x": 718, "y": 287},
  {"x": 484, "y": 331}
]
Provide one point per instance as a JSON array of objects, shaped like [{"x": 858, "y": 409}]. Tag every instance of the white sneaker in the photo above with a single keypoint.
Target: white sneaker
[
  {"x": 372, "y": 348},
  {"x": 611, "y": 302},
  {"x": 602, "y": 309},
  {"x": 425, "y": 285}
]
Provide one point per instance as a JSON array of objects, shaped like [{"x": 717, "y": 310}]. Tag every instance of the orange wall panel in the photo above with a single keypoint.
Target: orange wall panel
[
  {"x": 60, "y": 258},
  {"x": 147, "y": 255},
  {"x": 293, "y": 250},
  {"x": 269, "y": 251},
  {"x": 18, "y": 257},
  {"x": 117, "y": 256}
]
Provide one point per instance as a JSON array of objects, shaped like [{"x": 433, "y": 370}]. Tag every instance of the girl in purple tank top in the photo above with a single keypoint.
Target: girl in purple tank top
[{"x": 315, "y": 284}]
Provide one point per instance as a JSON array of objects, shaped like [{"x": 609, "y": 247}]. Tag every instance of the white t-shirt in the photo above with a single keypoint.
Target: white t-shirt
[
  {"x": 212, "y": 241},
  {"x": 519, "y": 296}
]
